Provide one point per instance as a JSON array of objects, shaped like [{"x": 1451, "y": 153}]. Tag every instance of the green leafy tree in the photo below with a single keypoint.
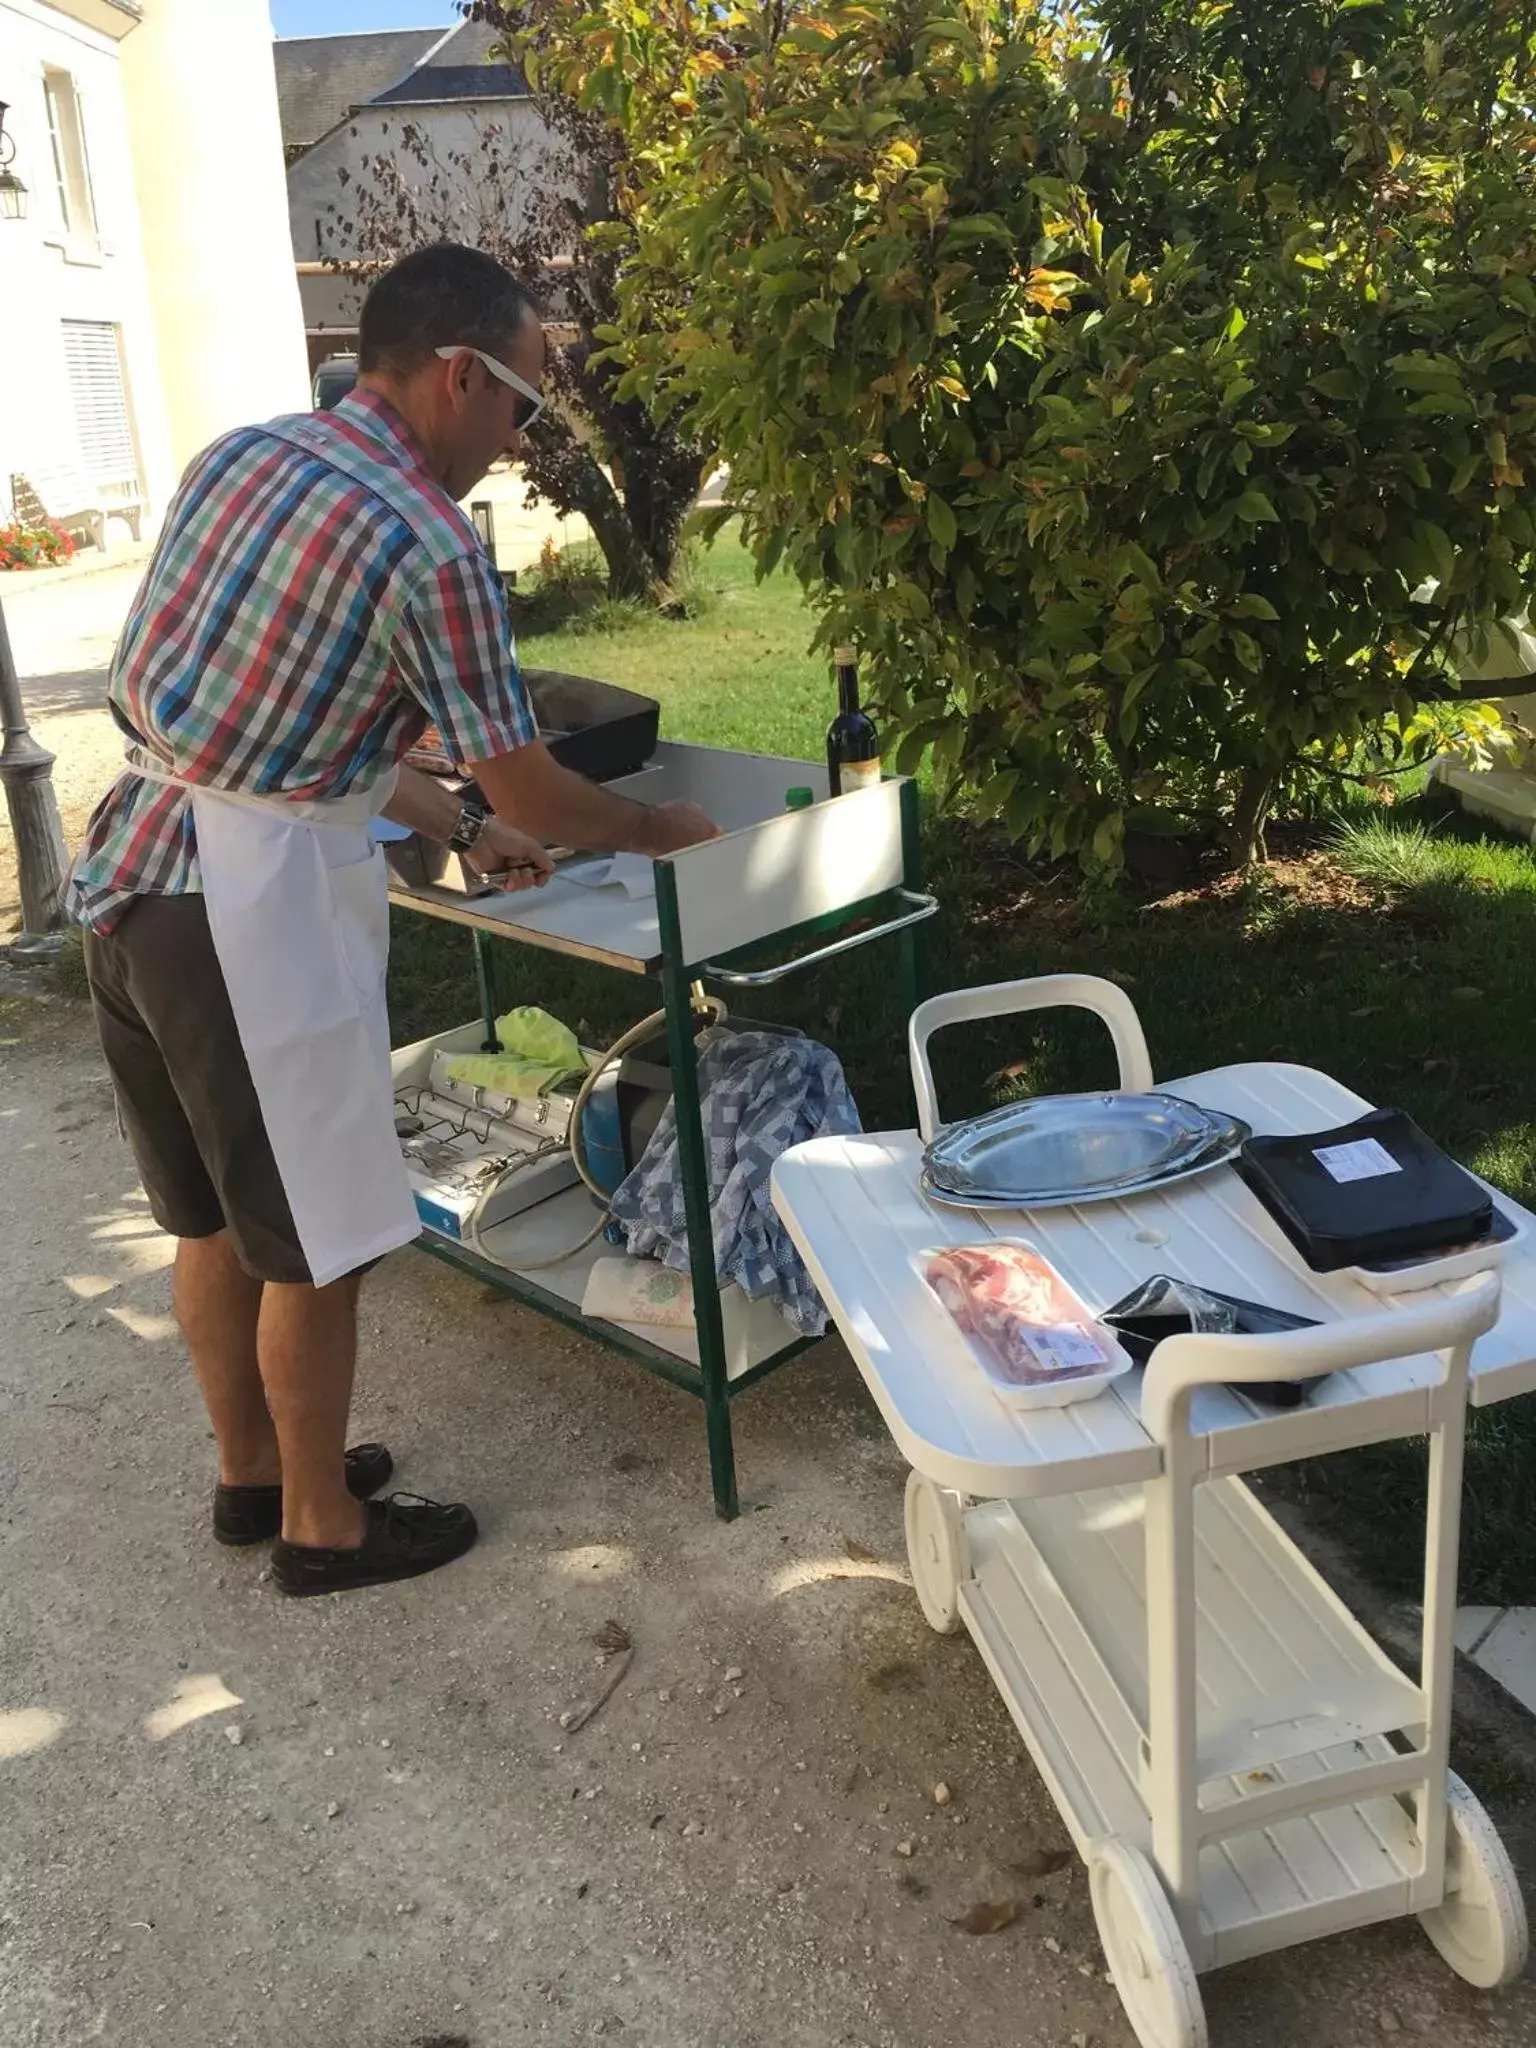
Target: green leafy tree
[{"x": 1150, "y": 393}]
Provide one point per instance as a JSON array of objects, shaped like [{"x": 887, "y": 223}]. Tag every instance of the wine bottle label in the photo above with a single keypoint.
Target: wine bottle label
[{"x": 858, "y": 774}]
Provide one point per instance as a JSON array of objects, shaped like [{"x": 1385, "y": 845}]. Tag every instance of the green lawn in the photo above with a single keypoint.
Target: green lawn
[
  {"x": 1402, "y": 960},
  {"x": 738, "y": 677}
]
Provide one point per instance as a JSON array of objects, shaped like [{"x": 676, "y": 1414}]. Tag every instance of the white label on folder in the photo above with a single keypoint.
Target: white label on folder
[
  {"x": 1065, "y": 1347},
  {"x": 1363, "y": 1160}
]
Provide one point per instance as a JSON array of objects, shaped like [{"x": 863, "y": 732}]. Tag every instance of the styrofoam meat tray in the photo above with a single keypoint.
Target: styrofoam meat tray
[{"x": 962, "y": 1353}]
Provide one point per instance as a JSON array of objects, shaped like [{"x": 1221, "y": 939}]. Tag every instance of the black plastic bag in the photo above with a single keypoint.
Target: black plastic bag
[{"x": 1164, "y": 1307}]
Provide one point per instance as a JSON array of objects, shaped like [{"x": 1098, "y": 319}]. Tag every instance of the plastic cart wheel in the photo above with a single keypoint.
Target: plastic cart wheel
[
  {"x": 1144, "y": 1948},
  {"x": 935, "y": 1551},
  {"x": 1480, "y": 1930}
]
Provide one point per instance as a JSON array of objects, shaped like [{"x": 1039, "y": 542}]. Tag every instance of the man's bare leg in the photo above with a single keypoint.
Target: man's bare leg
[
  {"x": 217, "y": 1304},
  {"x": 306, "y": 1344}
]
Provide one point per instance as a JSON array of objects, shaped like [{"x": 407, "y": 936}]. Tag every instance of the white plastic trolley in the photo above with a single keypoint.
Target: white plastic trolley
[{"x": 1239, "y": 1764}]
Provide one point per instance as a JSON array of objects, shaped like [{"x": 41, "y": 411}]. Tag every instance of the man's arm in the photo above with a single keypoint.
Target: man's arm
[
  {"x": 529, "y": 788},
  {"x": 422, "y": 803},
  {"x": 427, "y": 807},
  {"x": 454, "y": 651}
]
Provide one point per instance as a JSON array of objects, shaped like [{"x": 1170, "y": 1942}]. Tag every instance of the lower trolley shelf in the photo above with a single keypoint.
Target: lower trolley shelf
[
  {"x": 754, "y": 1330},
  {"x": 1291, "y": 1693},
  {"x": 1283, "y": 1669},
  {"x": 515, "y": 1253}
]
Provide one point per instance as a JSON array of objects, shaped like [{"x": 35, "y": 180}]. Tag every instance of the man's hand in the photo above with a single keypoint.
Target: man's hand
[
  {"x": 668, "y": 828},
  {"x": 510, "y": 857}
]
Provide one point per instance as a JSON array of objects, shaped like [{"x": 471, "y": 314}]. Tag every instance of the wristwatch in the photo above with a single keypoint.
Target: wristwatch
[{"x": 473, "y": 819}]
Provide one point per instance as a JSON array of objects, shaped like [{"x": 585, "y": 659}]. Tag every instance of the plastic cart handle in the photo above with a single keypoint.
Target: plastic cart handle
[
  {"x": 1006, "y": 998},
  {"x": 1446, "y": 1322}
]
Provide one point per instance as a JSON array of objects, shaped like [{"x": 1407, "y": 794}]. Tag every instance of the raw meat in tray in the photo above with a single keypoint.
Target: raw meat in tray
[{"x": 1029, "y": 1327}]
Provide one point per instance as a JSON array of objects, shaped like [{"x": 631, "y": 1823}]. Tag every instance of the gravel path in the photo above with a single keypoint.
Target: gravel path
[{"x": 358, "y": 1823}]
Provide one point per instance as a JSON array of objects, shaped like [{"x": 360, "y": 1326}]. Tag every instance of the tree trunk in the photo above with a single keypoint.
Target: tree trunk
[
  {"x": 662, "y": 532},
  {"x": 1245, "y": 835},
  {"x": 631, "y": 572},
  {"x": 657, "y": 503}
]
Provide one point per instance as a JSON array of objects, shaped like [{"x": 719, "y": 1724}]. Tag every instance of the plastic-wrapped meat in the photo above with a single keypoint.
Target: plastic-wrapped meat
[{"x": 1020, "y": 1311}]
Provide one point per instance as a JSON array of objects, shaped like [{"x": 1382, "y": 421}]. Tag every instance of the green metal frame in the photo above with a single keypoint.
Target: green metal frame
[
  {"x": 677, "y": 996},
  {"x": 709, "y": 1380},
  {"x": 485, "y": 983}
]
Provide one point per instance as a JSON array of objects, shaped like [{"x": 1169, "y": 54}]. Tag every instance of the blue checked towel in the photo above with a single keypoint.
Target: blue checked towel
[{"x": 760, "y": 1094}]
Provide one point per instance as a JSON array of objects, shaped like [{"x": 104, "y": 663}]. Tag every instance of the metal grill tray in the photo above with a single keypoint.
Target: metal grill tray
[{"x": 1055, "y": 1150}]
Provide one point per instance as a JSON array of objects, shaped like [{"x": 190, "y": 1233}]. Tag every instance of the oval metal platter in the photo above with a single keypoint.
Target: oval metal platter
[{"x": 1055, "y": 1150}]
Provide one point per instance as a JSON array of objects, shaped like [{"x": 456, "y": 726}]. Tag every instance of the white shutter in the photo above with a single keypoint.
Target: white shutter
[
  {"x": 102, "y": 422},
  {"x": 53, "y": 82},
  {"x": 102, "y": 230}
]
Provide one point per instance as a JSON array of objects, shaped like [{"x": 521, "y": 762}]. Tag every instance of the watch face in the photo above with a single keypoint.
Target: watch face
[{"x": 471, "y": 824}]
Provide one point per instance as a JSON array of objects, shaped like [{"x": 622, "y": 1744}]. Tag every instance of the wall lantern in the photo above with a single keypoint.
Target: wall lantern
[{"x": 13, "y": 194}]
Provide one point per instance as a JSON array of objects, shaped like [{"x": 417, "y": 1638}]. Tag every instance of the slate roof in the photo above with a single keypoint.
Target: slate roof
[
  {"x": 322, "y": 79},
  {"x": 456, "y": 82},
  {"x": 457, "y": 70}
]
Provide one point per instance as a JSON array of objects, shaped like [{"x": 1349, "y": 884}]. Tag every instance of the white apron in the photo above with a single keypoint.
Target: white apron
[{"x": 298, "y": 909}]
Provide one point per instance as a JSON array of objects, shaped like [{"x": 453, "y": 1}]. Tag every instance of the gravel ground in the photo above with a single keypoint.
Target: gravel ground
[
  {"x": 358, "y": 1823},
  {"x": 235, "y": 1819}
]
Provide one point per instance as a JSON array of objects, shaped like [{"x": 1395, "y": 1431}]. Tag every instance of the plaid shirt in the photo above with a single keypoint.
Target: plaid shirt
[{"x": 314, "y": 602}]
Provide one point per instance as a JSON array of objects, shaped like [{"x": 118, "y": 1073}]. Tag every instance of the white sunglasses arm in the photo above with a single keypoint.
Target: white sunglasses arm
[{"x": 499, "y": 370}]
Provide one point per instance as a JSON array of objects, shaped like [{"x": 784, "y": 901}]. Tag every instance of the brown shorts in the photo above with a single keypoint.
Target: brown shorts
[{"x": 184, "y": 1090}]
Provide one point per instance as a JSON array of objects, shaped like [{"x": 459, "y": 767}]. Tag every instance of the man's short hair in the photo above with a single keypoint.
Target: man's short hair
[{"x": 445, "y": 293}]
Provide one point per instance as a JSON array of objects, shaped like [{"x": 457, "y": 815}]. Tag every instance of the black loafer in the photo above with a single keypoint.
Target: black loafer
[
  {"x": 404, "y": 1537},
  {"x": 254, "y": 1514}
]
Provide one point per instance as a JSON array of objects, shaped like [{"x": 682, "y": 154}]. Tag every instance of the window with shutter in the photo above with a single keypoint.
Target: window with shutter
[{"x": 103, "y": 423}]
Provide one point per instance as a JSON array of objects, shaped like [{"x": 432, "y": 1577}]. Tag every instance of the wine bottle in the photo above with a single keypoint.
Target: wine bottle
[{"x": 853, "y": 745}]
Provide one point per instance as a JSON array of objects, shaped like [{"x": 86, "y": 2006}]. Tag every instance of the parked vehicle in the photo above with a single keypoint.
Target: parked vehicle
[{"x": 333, "y": 380}]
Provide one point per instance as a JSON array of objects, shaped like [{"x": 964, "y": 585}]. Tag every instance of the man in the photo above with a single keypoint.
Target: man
[{"x": 315, "y": 600}]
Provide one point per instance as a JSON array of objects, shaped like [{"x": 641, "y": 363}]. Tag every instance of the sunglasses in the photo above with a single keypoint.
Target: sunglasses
[{"x": 536, "y": 399}]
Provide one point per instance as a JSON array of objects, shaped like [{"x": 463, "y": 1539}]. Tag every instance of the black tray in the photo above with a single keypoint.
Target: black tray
[
  {"x": 1415, "y": 1200},
  {"x": 595, "y": 728}
]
